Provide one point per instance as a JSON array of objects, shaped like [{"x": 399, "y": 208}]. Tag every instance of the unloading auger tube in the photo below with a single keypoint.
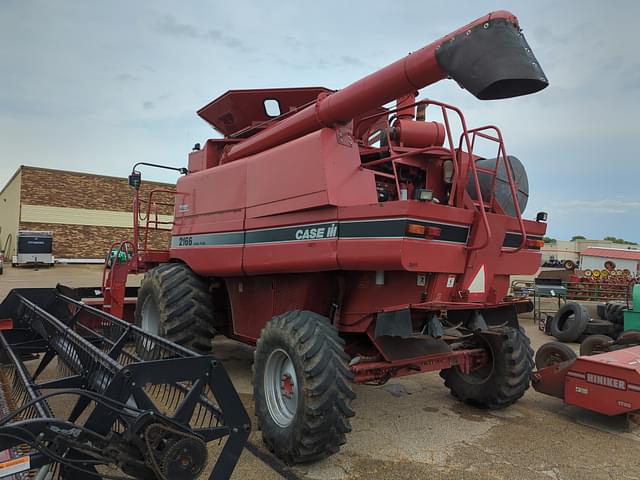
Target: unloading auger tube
[
  {"x": 489, "y": 57},
  {"x": 125, "y": 404}
]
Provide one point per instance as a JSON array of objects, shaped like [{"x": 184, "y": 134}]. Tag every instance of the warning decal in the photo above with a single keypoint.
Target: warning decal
[{"x": 14, "y": 465}]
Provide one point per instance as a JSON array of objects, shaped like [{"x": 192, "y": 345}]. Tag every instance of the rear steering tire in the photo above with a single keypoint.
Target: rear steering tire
[
  {"x": 552, "y": 353},
  {"x": 503, "y": 380},
  {"x": 302, "y": 387},
  {"x": 174, "y": 303},
  {"x": 595, "y": 344}
]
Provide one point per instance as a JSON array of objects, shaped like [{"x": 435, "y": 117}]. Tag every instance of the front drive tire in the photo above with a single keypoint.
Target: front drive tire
[
  {"x": 302, "y": 387},
  {"x": 503, "y": 380},
  {"x": 175, "y": 303}
]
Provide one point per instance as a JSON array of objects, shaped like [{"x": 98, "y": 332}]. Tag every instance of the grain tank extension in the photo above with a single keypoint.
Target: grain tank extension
[{"x": 354, "y": 242}]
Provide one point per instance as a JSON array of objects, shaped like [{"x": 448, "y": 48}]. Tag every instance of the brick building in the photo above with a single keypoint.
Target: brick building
[{"x": 85, "y": 212}]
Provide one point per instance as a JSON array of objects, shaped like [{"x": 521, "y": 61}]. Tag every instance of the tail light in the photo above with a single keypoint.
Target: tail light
[
  {"x": 416, "y": 229},
  {"x": 535, "y": 243}
]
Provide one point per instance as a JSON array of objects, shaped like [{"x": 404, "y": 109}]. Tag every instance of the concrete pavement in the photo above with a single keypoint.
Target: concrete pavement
[{"x": 411, "y": 428}]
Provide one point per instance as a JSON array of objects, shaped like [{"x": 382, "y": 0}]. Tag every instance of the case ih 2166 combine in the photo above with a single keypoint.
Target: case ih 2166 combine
[
  {"x": 344, "y": 239},
  {"x": 350, "y": 241}
]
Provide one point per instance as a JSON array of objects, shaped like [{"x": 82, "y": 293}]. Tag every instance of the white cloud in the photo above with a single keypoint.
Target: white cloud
[
  {"x": 99, "y": 86},
  {"x": 614, "y": 206}
]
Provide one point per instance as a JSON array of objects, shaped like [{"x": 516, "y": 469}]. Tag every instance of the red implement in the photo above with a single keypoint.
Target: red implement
[{"x": 607, "y": 383}]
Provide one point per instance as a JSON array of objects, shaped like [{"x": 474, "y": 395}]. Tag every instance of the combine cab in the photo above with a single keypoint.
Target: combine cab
[{"x": 349, "y": 241}]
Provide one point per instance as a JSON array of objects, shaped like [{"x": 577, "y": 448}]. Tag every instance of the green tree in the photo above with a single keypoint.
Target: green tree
[
  {"x": 578, "y": 237},
  {"x": 549, "y": 240},
  {"x": 620, "y": 241}
]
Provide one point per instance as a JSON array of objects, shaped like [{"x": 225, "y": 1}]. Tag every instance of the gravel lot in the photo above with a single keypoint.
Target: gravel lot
[{"x": 411, "y": 428}]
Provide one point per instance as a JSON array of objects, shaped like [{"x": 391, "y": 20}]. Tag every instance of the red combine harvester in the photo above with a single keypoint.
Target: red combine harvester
[{"x": 351, "y": 242}]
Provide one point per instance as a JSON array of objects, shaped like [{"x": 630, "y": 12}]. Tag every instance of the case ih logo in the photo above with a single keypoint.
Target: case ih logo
[
  {"x": 318, "y": 232},
  {"x": 606, "y": 381}
]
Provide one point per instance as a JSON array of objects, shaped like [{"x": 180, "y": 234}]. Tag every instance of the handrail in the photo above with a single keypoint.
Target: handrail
[
  {"x": 502, "y": 153},
  {"x": 156, "y": 222},
  {"x": 417, "y": 151},
  {"x": 122, "y": 246},
  {"x": 414, "y": 151},
  {"x": 482, "y": 209},
  {"x": 461, "y": 162},
  {"x": 8, "y": 241}
]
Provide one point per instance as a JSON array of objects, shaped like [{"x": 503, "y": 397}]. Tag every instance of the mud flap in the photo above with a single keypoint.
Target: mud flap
[{"x": 394, "y": 324}]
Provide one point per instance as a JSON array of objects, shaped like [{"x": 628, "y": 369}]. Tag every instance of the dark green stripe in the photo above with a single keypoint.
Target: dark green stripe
[
  {"x": 393, "y": 228},
  {"x": 512, "y": 240}
]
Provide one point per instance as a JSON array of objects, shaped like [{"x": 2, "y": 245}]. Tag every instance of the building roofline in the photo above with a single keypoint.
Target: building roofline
[
  {"x": 632, "y": 248},
  {"x": 15, "y": 174},
  {"x": 617, "y": 253},
  {"x": 72, "y": 172}
]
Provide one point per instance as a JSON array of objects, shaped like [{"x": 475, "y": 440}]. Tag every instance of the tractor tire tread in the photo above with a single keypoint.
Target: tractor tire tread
[
  {"x": 615, "y": 312},
  {"x": 553, "y": 352},
  {"x": 318, "y": 429},
  {"x": 186, "y": 306},
  {"x": 509, "y": 380},
  {"x": 590, "y": 344}
]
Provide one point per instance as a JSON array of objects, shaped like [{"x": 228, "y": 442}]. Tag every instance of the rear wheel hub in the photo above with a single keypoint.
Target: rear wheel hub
[{"x": 281, "y": 387}]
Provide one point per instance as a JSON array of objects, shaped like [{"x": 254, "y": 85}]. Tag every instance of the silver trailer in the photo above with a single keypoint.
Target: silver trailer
[{"x": 34, "y": 248}]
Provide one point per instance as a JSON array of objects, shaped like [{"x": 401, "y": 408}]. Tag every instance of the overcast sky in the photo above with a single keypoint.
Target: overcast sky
[{"x": 97, "y": 86}]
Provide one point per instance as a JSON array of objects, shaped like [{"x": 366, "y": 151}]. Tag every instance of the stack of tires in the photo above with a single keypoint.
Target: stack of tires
[
  {"x": 572, "y": 322},
  {"x": 614, "y": 312}
]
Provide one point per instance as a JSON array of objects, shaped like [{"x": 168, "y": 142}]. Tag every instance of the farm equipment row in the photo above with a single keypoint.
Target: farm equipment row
[
  {"x": 612, "y": 285},
  {"x": 572, "y": 322}
]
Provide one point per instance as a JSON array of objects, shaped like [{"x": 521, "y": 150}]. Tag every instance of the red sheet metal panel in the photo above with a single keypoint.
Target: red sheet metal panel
[
  {"x": 209, "y": 219},
  {"x": 316, "y": 171},
  {"x": 239, "y": 109},
  {"x": 607, "y": 383}
]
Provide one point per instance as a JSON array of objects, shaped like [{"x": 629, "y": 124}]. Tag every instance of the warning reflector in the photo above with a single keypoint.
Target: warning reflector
[{"x": 477, "y": 284}]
